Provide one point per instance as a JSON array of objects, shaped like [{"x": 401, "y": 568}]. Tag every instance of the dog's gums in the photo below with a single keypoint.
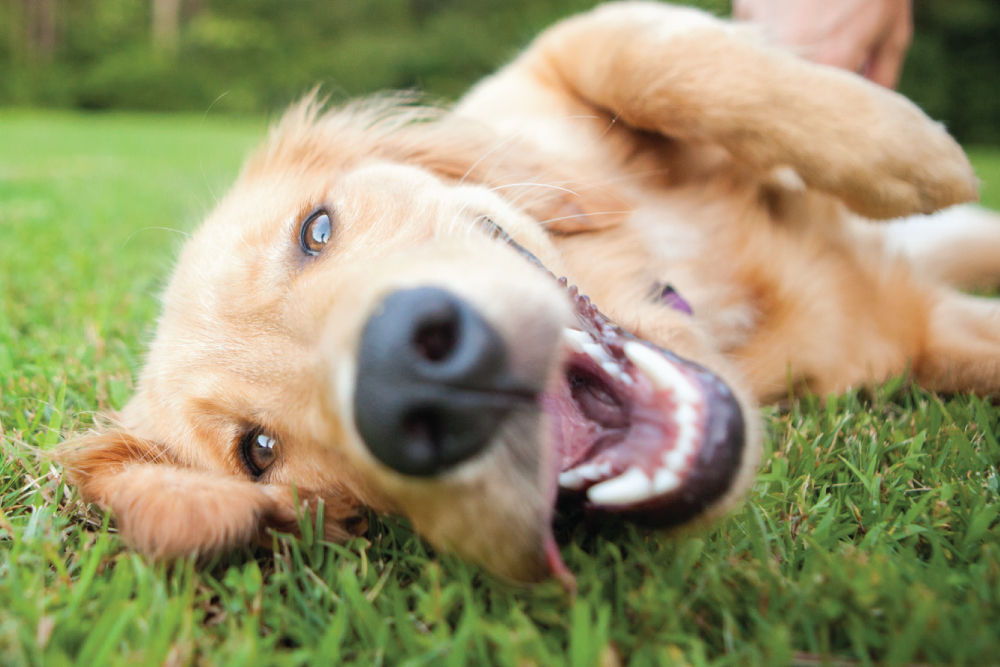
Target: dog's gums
[{"x": 639, "y": 431}]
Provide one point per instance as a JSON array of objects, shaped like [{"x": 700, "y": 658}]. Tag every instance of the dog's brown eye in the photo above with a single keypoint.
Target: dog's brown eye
[
  {"x": 259, "y": 451},
  {"x": 316, "y": 231}
]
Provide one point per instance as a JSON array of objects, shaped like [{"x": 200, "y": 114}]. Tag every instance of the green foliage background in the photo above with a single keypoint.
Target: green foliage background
[{"x": 257, "y": 55}]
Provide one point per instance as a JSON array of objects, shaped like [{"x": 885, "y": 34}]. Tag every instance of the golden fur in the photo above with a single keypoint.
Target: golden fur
[{"x": 632, "y": 144}]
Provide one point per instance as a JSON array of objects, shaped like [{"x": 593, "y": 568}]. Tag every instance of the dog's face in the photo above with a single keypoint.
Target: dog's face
[{"x": 363, "y": 331}]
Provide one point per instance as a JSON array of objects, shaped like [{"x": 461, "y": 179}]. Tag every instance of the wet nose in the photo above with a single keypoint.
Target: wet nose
[{"x": 433, "y": 382}]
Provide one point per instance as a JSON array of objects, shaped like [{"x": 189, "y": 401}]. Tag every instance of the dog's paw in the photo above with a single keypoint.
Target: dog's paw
[
  {"x": 903, "y": 163},
  {"x": 873, "y": 149}
]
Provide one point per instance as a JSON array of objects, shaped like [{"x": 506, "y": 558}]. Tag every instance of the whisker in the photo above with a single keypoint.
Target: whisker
[
  {"x": 582, "y": 215},
  {"x": 499, "y": 144},
  {"x": 534, "y": 185},
  {"x": 454, "y": 222}
]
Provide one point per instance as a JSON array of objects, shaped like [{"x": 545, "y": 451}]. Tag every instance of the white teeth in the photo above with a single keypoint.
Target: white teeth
[
  {"x": 635, "y": 485},
  {"x": 574, "y": 478},
  {"x": 576, "y": 339},
  {"x": 661, "y": 372},
  {"x": 569, "y": 479},
  {"x": 685, "y": 414},
  {"x": 580, "y": 342},
  {"x": 630, "y": 487},
  {"x": 675, "y": 459},
  {"x": 597, "y": 353},
  {"x": 665, "y": 481},
  {"x": 663, "y": 375}
]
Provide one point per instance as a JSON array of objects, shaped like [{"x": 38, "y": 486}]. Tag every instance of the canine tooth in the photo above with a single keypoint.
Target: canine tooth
[
  {"x": 611, "y": 368},
  {"x": 597, "y": 353},
  {"x": 661, "y": 372},
  {"x": 576, "y": 339},
  {"x": 665, "y": 480},
  {"x": 632, "y": 486}
]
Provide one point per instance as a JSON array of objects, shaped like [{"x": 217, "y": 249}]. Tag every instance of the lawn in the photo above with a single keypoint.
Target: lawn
[{"x": 872, "y": 534}]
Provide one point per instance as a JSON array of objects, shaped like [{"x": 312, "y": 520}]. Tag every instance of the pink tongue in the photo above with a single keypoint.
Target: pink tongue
[{"x": 557, "y": 566}]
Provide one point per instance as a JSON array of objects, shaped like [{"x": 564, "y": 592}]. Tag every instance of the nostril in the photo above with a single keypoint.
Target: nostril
[{"x": 436, "y": 340}]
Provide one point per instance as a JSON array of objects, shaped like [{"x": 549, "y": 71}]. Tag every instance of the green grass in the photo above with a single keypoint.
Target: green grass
[{"x": 872, "y": 534}]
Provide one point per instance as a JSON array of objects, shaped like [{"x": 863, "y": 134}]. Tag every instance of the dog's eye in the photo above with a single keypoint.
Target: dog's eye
[
  {"x": 259, "y": 451},
  {"x": 316, "y": 231}
]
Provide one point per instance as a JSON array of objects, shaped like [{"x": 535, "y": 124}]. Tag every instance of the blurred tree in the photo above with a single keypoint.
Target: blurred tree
[
  {"x": 166, "y": 24},
  {"x": 257, "y": 55},
  {"x": 33, "y": 29},
  {"x": 953, "y": 68}
]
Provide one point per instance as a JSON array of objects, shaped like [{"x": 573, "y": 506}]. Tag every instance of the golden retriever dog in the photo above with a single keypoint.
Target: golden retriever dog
[{"x": 573, "y": 286}]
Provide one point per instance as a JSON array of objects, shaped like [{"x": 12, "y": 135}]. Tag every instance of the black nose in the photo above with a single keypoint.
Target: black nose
[{"x": 433, "y": 382}]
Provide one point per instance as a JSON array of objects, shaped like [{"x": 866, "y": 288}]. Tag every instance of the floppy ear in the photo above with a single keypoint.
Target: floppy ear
[{"x": 167, "y": 510}]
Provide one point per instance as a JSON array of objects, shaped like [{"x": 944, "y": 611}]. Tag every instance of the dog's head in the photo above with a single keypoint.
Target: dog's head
[{"x": 365, "y": 322}]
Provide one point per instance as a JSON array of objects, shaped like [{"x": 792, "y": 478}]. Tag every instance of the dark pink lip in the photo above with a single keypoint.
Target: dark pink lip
[{"x": 667, "y": 432}]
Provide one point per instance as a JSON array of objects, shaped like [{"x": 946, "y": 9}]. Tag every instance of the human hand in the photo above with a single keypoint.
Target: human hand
[{"x": 865, "y": 36}]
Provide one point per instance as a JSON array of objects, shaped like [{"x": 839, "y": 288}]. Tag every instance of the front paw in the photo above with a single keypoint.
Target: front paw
[{"x": 899, "y": 162}]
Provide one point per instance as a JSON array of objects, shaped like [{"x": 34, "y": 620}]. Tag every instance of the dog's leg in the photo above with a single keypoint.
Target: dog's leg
[
  {"x": 962, "y": 347},
  {"x": 685, "y": 74},
  {"x": 960, "y": 246}
]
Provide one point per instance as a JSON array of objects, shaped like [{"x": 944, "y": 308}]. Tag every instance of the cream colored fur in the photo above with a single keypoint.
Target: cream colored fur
[{"x": 633, "y": 144}]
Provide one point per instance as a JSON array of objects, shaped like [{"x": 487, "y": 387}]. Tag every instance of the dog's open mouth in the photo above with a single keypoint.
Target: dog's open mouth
[{"x": 639, "y": 431}]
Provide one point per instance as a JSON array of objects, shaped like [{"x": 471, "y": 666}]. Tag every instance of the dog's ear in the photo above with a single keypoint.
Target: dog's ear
[{"x": 165, "y": 509}]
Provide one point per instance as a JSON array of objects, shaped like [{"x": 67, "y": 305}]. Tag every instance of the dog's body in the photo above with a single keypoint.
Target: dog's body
[{"x": 709, "y": 194}]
